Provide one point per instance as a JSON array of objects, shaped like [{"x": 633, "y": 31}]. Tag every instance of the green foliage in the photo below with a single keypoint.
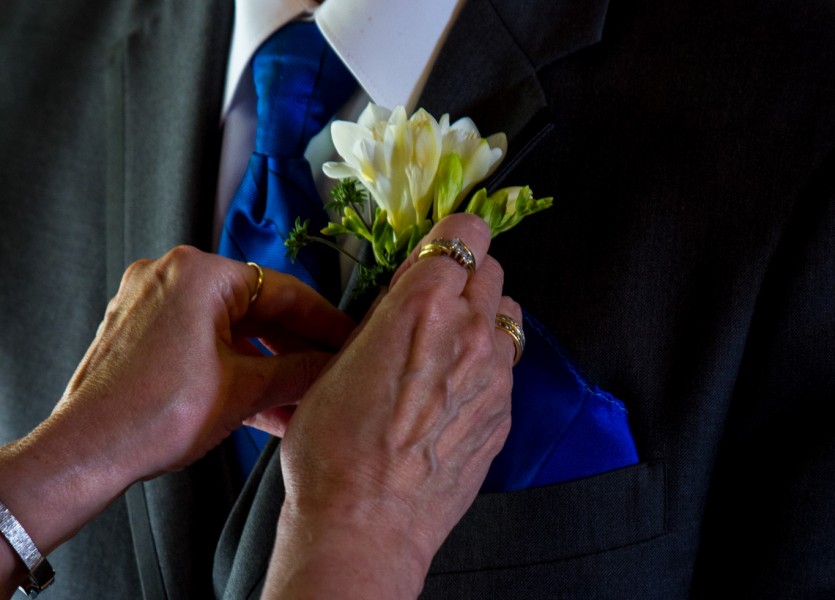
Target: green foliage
[
  {"x": 506, "y": 208},
  {"x": 371, "y": 278},
  {"x": 448, "y": 184},
  {"x": 502, "y": 210},
  {"x": 348, "y": 193},
  {"x": 297, "y": 239}
]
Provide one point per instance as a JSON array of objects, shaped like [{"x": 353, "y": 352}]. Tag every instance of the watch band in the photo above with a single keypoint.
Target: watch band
[{"x": 41, "y": 573}]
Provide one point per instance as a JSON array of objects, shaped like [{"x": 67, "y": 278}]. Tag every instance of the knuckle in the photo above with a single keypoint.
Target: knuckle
[
  {"x": 428, "y": 303},
  {"x": 475, "y": 228},
  {"x": 464, "y": 224},
  {"x": 174, "y": 266},
  {"x": 136, "y": 268},
  {"x": 478, "y": 336},
  {"x": 441, "y": 270},
  {"x": 492, "y": 269},
  {"x": 510, "y": 305},
  {"x": 178, "y": 256}
]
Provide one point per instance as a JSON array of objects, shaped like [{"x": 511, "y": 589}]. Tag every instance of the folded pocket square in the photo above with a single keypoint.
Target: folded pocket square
[{"x": 563, "y": 428}]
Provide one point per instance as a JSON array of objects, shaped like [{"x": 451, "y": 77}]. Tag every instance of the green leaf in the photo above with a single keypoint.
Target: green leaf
[
  {"x": 335, "y": 229},
  {"x": 370, "y": 278},
  {"x": 348, "y": 193},
  {"x": 448, "y": 184},
  {"x": 417, "y": 234},
  {"x": 355, "y": 224},
  {"x": 517, "y": 209},
  {"x": 297, "y": 239},
  {"x": 505, "y": 208},
  {"x": 476, "y": 203},
  {"x": 382, "y": 239},
  {"x": 496, "y": 207},
  {"x": 403, "y": 239}
]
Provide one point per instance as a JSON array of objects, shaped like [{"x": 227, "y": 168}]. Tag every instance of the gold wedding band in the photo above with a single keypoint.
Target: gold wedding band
[
  {"x": 258, "y": 285},
  {"x": 455, "y": 249},
  {"x": 514, "y": 329}
]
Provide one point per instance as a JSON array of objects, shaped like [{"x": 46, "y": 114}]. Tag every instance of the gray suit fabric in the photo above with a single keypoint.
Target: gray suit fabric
[{"x": 687, "y": 265}]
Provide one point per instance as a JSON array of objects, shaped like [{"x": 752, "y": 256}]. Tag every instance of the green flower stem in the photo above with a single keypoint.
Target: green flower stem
[
  {"x": 360, "y": 210},
  {"x": 338, "y": 248}
]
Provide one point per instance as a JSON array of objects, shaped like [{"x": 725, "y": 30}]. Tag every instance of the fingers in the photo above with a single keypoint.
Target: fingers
[
  {"x": 265, "y": 390},
  {"x": 259, "y": 283},
  {"x": 273, "y": 420},
  {"x": 256, "y": 302},
  {"x": 505, "y": 340},
  {"x": 289, "y": 315},
  {"x": 471, "y": 230},
  {"x": 482, "y": 291}
]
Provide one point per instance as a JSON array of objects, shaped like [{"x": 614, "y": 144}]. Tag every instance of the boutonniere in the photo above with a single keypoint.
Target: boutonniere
[{"x": 401, "y": 174}]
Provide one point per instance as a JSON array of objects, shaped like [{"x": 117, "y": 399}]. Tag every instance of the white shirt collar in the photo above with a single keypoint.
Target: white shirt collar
[
  {"x": 366, "y": 34},
  {"x": 388, "y": 45}
]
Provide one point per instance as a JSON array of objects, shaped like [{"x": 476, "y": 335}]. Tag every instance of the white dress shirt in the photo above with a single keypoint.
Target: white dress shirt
[{"x": 388, "y": 45}]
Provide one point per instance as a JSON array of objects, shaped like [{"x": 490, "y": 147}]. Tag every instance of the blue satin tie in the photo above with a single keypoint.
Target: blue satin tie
[{"x": 300, "y": 83}]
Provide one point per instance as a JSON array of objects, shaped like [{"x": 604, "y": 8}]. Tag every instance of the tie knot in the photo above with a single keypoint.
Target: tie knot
[{"x": 300, "y": 83}]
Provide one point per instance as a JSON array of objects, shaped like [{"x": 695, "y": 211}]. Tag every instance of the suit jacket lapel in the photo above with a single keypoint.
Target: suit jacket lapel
[
  {"x": 488, "y": 69},
  {"x": 164, "y": 85},
  {"x": 246, "y": 544}
]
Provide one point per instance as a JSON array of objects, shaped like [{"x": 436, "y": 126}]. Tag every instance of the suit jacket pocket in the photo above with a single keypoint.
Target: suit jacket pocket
[{"x": 559, "y": 521}]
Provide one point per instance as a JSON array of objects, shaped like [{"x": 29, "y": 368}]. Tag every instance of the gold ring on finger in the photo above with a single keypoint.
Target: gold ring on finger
[
  {"x": 258, "y": 285},
  {"x": 513, "y": 328},
  {"x": 456, "y": 249}
]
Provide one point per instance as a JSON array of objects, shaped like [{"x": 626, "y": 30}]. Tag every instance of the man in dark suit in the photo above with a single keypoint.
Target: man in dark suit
[{"x": 687, "y": 266}]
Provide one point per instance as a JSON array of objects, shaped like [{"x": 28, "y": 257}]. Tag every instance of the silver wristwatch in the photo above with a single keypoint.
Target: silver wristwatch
[{"x": 41, "y": 573}]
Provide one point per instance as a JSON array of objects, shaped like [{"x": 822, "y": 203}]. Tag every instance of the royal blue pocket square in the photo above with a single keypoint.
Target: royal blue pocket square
[{"x": 562, "y": 427}]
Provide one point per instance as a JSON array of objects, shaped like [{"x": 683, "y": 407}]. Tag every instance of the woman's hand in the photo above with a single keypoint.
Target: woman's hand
[
  {"x": 170, "y": 373},
  {"x": 390, "y": 446},
  {"x": 168, "y": 376}
]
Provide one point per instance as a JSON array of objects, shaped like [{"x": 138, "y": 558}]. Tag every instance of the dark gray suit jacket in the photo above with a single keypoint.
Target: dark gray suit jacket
[{"x": 687, "y": 265}]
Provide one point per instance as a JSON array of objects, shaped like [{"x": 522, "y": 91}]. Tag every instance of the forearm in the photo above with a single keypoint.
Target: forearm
[
  {"x": 338, "y": 557},
  {"x": 11, "y": 570},
  {"x": 54, "y": 481}
]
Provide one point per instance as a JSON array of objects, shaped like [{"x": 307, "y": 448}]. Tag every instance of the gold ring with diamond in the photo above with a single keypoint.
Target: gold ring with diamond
[
  {"x": 514, "y": 329},
  {"x": 456, "y": 249},
  {"x": 258, "y": 285}
]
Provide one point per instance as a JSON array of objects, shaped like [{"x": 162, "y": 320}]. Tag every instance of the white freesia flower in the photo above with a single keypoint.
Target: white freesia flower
[
  {"x": 394, "y": 157},
  {"x": 479, "y": 156},
  {"x": 407, "y": 165}
]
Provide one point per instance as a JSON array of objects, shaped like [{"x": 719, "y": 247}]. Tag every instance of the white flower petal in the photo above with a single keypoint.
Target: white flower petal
[
  {"x": 398, "y": 116},
  {"x": 396, "y": 157},
  {"x": 345, "y": 136},
  {"x": 465, "y": 125},
  {"x": 338, "y": 170},
  {"x": 372, "y": 114},
  {"x": 498, "y": 141}
]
